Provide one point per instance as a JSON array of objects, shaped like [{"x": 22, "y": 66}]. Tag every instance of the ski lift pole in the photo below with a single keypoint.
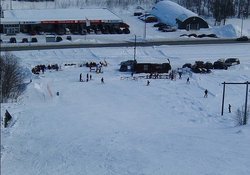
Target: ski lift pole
[
  {"x": 245, "y": 114},
  {"x": 135, "y": 48},
  {"x": 223, "y": 98}
]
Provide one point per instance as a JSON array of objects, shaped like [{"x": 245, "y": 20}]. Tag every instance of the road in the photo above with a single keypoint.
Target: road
[{"x": 66, "y": 45}]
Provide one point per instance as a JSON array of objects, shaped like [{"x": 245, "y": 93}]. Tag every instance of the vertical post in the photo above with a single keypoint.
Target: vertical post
[
  {"x": 10, "y": 4},
  {"x": 145, "y": 27},
  {"x": 241, "y": 24},
  {"x": 245, "y": 114},
  {"x": 135, "y": 48},
  {"x": 223, "y": 98}
]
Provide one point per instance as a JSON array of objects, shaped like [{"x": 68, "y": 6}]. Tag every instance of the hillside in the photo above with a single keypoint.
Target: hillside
[{"x": 123, "y": 126}]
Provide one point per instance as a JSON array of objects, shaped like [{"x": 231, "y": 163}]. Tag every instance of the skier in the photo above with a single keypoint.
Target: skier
[
  {"x": 148, "y": 82},
  {"x": 188, "y": 82},
  {"x": 102, "y": 80},
  {"x": 80, "y": 77},
  {"x": 206, "y": 92},
  {"x": 229, "y": 108}
]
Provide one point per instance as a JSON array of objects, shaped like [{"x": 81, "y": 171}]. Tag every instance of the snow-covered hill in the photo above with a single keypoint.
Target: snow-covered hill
[{"x": 123, "y": 126}]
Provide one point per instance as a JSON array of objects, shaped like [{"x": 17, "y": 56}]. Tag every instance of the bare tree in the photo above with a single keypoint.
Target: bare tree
[{"x": 11, "y": 77}]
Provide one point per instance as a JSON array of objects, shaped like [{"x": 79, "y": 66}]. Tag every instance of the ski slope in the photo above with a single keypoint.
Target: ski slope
[{"x": 123, "y": 126}]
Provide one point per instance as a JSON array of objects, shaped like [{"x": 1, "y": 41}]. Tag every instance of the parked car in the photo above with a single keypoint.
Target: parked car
[
  {"x": 200, "y": 70},
  {"x": 34, "y": 40},
  {"x": 168, "y": 29},
  {"x": 118, "y": 30},
  {"x": 69, "y": 38},
  {"x": 208, "y": 65},
  {"x": 242, "y": 38},
  {"x": 232, "y": 61},
  {"x": 126, "y": 31},
  {"x": 150, "y": 19},
  {"x": 12, "y": 40},
  {"x": 98, "y": 31},
  {"x": 160, "y": 24},
  {"x": 83, "y": 32},
  {"x": 138, "y": 11},
  {"x": 220, "y": 65},
  {"x": 25, "y": 40},
  {"x": 58, "y": 39},
  {"x": 189, "y": 65},
  {"x": 212, "y": 35}
]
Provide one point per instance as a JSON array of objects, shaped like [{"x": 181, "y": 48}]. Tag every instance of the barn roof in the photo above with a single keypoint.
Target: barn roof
[
  {"x": 38, "y": 15},
  {"x": 167, "y": 12}
]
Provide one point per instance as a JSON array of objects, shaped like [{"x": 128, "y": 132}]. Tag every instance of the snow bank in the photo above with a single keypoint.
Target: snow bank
[{"x": 227, "y": 31}]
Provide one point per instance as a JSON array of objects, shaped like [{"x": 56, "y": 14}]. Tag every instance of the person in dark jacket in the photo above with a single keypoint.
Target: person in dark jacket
[
  {"x": 205, "y": 93},
  {"x": 81, "y": 77},
  {"x": 148, "y": 82},
  {"x": 229, "y": 108},
  {"x": 102, "y": 80}
]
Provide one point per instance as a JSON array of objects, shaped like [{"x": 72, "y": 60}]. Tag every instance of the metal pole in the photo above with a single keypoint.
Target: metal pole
[
  {"x": 245, "y": 114},
  {"x": 223, "y": 98},
  {"x": 145, "y": 27},
  {"x": 10, "y": 4},
  {"x": 241, "y": 24},
  {"x": 135, "y": 48}
]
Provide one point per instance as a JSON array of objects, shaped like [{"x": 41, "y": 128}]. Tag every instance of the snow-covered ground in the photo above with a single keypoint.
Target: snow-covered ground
[
  {"x": 123, "y": 126},
  {"x": 232, "y": 29}
]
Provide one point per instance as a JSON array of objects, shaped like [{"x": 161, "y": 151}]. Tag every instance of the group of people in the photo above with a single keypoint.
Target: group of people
[
  {"x": 41, "y": 68},
  {"x": 88, "y": 77}
]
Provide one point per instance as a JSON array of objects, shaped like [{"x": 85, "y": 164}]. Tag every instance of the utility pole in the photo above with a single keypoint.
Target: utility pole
[
  {"x": 145, "y": 27},
  {"x": 242, "y": 16},
  {"x": 135, "y": 48},
  {"x": 10, "y": 4},
  {"x": 245, "y": 114}
]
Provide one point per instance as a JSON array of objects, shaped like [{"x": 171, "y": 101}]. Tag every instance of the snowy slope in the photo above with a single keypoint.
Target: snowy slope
[{"x": 123, "y": 126}]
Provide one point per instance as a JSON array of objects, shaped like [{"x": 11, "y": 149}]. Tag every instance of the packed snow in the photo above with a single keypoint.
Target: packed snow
[{"x": 122, "y": 126}]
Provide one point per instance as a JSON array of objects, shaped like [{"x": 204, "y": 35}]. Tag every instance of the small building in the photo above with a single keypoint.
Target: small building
[
  {"x": 174, "y": 15},
  {"x": 152, "y": 68},
  {"x": 56, "y": 20},
  {"x": 133, "y": 66}
]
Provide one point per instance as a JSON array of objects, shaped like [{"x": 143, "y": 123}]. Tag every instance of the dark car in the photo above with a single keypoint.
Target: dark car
[
  {"x": 138, "y": 13},
  {"x": 209, "y": 65},
  {"x": 189, "y": 65},
  {"x": 25, "y": 40},
  {"x": 212, "y": 35},
  {"x": 118, "y": 30},
  {"x": 12, "y": 40},
  {"x": 220, "y": 65},
  {"x": 34, "y": 40},
  {"x": 160, "y": 24},
  {"x": 58, "y": 39},
  {"x": 242, "y": 38},
  {"x": 69, "y": 38},
  {"x": 126, "y": 31},
  {"x": 232, "y": 61}
]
